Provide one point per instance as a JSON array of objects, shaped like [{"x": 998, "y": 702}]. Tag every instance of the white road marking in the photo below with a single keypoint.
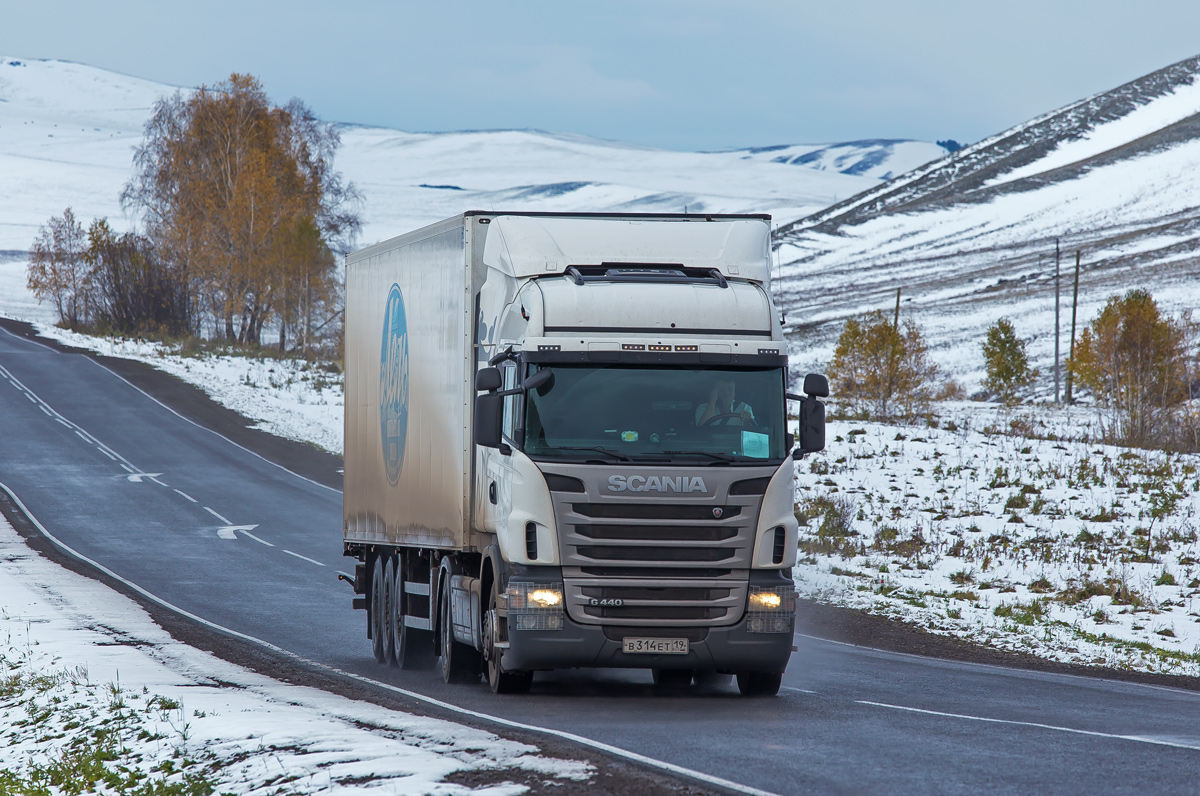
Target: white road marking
[
  {"x": 797, "y": 690},
  {"x": 218, "y": 516},
  {"x": 64, "y": 422},
  {"x": 1037, "y": 725},
  {"x": 230, "y": 531},
  {"x": 155, "y": 480},
  {"x": 185, "y": 495},
  {"x": 661, "y": 765},
  {"x": 127, "y": 467},
  {"x": 255, "y": 538},
  {"x": 136, "y": 478},
  {"x": 306, "y": 558},
  {"x": 79, "y": 434},
  {"x": 31, "y": 398},
  {"x": 109, "y": 455},
  {"x": 45, "y": 410}
]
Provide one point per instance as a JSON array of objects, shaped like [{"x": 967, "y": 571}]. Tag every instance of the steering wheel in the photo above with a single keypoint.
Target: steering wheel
[{"x": 712, "y": 421}]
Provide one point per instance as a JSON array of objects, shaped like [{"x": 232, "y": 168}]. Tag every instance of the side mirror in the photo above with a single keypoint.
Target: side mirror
[
  {"x": 538, "y": 379},
  {"x": 812, "y": 424},
  {"x": 488, "y": 379},
  {"x": 487, "y": 418},
  {"x": 816, "y": 385}
]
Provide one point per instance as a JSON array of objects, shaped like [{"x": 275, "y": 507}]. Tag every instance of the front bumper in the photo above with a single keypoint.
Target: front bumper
[{"x": 729, "y": 648}]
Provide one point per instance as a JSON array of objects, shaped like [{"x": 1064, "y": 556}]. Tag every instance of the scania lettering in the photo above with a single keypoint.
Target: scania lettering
[
  {"x": 568, "y": 445},
  {"x": 655, "y": 483}
]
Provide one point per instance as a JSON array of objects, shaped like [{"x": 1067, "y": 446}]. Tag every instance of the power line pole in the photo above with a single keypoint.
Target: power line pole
[
  {"x": 1074, "y": 311},
  {"x": 896, "y": 320},
  {"x": 1057, "y": 333}
]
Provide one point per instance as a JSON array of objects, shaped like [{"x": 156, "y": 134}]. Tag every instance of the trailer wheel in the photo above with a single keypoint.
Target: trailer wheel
[
  {"x": 390, "y": 610},
  {"x": 460, "y": 663},
  {"x": 759, "y": 683},
  {"x": 413, "y": 647},
  {"x": 501, "y": 682},
  {"x": 375, "y": 616}
]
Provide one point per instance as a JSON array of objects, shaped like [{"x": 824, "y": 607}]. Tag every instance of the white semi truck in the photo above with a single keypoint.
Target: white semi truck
[{"x": 567, "y": 445}]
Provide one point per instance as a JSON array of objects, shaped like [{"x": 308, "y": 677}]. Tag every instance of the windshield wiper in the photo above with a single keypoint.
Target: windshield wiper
[
  {"x": 721, "y": 457},
  {"x": 598, "y": 449}
]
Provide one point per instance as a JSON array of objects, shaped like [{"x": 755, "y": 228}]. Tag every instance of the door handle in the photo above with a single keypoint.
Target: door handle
[{"x": 492, "y": 492}]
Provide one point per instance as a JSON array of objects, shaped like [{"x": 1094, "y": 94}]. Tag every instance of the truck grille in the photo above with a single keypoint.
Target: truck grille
[
  {"x": 655, "y": 563},
  {"x": 634, "y": 603}
]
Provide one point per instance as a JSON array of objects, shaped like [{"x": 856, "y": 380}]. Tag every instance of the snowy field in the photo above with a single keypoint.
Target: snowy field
[
  {"x": 1010, "y": 529},
  {"x": 95, "y": 696}
]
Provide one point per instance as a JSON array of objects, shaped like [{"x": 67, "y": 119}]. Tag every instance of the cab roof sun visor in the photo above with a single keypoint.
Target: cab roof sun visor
[{"x": 662, "y": 273}]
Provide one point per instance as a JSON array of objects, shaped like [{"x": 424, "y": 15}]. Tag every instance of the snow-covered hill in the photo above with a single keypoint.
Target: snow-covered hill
[
  {"x": 67, "y": 132},
  {"x": 971, "y": 236}
]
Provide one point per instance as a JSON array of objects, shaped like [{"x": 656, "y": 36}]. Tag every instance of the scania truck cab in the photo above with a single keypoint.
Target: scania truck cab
[{"x": 610, "y": 393}]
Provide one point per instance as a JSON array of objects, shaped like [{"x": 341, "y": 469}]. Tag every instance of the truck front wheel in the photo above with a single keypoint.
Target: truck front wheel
[
  {"x": 759, "y": 683},
  {"x": 460, "y": 663},
  {"x": 501, "y": 682}
]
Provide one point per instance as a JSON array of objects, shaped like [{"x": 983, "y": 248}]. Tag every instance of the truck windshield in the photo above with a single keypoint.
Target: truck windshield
[{"x": 657, "y": 413}]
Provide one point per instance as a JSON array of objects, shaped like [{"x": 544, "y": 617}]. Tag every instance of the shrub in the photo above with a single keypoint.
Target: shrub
[
  {"x": 883, "y": 369},
  {"x": 58, "y": 270},
  {"x": 1008, "y": 369},
  {"x": 1135, "y": 362}
]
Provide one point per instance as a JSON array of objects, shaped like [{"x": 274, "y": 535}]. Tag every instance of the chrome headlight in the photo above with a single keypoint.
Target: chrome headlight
[
  {"x": 535, "y": 606},
  {"x": 770, "y": 609}
]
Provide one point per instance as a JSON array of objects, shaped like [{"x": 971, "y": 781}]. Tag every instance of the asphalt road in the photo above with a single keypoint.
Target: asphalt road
[{"x": 229, "y": 536}]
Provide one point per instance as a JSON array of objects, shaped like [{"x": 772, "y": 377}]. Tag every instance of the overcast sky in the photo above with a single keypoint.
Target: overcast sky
[{"x": 684, "y": 75}]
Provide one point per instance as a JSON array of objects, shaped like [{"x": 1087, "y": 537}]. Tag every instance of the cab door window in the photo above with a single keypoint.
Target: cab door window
[{"x": 508, "y": 426}]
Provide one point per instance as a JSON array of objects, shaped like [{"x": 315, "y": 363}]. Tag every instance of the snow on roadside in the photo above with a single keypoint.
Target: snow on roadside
[
  {"x": 1011, "y": 530},
  {"x": 86, "y": 672}
]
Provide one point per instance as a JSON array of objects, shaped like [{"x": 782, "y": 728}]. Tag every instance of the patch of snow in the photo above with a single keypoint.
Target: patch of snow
[{"x": 252, "y": 733}]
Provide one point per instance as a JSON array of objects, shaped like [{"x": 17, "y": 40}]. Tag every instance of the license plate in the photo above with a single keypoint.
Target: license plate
[{"x": 656, "y": 646}]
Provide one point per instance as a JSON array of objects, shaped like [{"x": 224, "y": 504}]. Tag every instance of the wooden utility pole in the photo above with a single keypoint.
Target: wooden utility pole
[
  {"x": 896, "y": 319},
  {"x": 1074, "y": 311},
  {"x": 1057, "y": 332}
]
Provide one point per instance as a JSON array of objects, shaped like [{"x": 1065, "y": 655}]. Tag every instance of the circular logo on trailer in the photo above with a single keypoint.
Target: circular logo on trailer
[{"x": 393, "y": 384}]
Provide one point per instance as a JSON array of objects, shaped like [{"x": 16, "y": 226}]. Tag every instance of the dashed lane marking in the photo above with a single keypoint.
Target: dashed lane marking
[
  {"x": 244, "y": 532},
  {"x": 218, "y": 516},
  {"x": 306, "y": 558},
  {"x": 186, "y": 496},
  {"x": 797, "y": 690},
  {"x": 1036, "y": 725}
]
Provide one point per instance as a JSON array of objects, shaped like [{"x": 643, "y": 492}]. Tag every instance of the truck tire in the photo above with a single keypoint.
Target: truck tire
[
  {"x": 672, "y": 678},
  {"x": 412, "y": 647},
  {"x": 460, "y": 663},
  {"x": 391, "y": 607},
  {"x": 500, "y": 681},
  {"x": 759, "y": 683},
  {"x": 378, "y": 610},
  {"x": 709, "y": 679}
]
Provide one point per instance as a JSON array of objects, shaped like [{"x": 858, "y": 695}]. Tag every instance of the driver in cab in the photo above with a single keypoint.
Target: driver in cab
[{"x": 723, "y": 407}]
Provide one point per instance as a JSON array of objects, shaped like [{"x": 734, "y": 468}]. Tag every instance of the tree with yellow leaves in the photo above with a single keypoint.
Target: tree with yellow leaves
[
  {"x": 232, "y": 190},
  {"x": 1135, "y": 362}
]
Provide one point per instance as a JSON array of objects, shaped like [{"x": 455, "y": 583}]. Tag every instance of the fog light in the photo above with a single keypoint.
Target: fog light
[
  {"x": 771, "y": 609},
  {"x": 535, "y": 606}
]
